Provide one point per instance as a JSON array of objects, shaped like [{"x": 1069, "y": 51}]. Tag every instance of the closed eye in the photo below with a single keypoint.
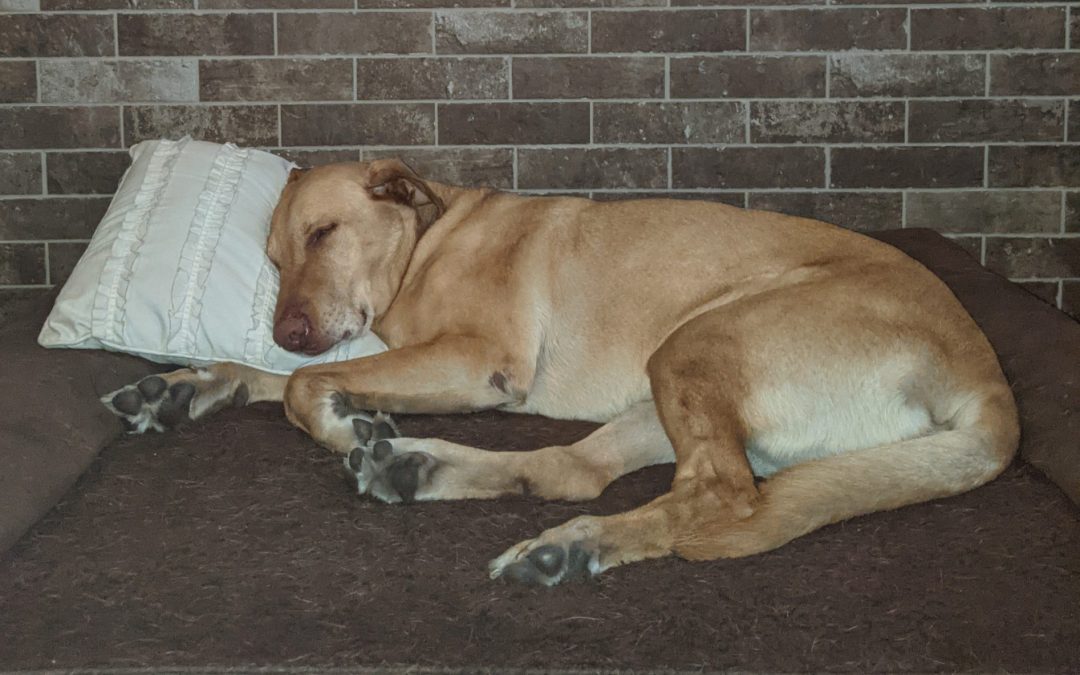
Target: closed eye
[{"x": 319, "y": 234}]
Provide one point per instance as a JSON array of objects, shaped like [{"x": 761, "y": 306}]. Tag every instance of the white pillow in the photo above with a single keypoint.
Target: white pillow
[{"x": 176, "y": 271}]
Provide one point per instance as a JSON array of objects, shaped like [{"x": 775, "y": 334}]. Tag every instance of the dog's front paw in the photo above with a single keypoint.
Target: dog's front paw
[
  {"x": 151, "y": 403},
  {"x": 161, "y": 402}
]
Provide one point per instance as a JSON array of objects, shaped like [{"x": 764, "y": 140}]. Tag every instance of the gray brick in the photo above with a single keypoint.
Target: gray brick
[
  {"x": 305, "y": 157},
  {"x": 12, "y": 299},
  {"x": 358, "y": 124},
  {"x": 866, "y": 211},
  {"x": 54, "y": 127},
  {"x": 1074, "y": 121},
  {"x": 1070, "y": 298},
  {"x": 1072, "y": 212},
  {"x": 1044, "y": 290},
  {"x": 1030, "y": 165},
  {"x": 195, "y": 34},
  {"x": 1074, "y": 29},
  {"x": 511, "y": 33},
  {"x": 243, "y": 125},
  {"x": 108, "y": 81},
  {"x": 985, "y": 120},
  {"x": 69, "y": 5},
  {"x": 64, "y": 218},
  {"x": 908, "y": 75},
  {"x": 18, "y": 82},
  {"x": 674, "y": 122},
  {"x": 985, "y": 212},
  {"x": 513, "y": 123},
  {"x": 908, "y": 2},
  {"x": 1034, "y": 257},
  {"x": 276, "y": 80},
  {"x": 476, "y": 167},
  {"x": 589, "y": 77},
  {"x": 20, "y": 173},
  {"x": 22, "y": 264},
  {"x": 590, "y": 3},
  {"x": 826, "y": 121},
  {"x": 827, "y": 29},
  {"x": 742, "y": 3},
  {"x": 358, "y": 33},
  {"x": 276, "y": 4},
  {"x": 77, "y": 173},
  {"x": 1053, "y": 74},
  {"x": 737, "y": 199},
  {"x": 444, "y": 78},
  {"x": 432, "y": 4},
  {"x": 691, "y": 30},
  {"x": 63, "y": 256},
  {"x": 900, "y": 167},
  {"x": 747, "y": 76},
  {"x": 56, "y": 35},
  {"x": 971, "y": 245},
  {"x": 988, "y": 28},
  {"x": 759, "y": 167},
  {"x": 577, "y": 168}
]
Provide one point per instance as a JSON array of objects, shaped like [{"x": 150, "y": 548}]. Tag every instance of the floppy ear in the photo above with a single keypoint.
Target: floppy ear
[
  {"x": 392, "y": 179},
  {"x": 296, "y": 173}
]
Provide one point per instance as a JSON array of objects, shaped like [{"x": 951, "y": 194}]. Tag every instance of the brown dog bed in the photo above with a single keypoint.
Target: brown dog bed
[{"x": 236, "y": 544}]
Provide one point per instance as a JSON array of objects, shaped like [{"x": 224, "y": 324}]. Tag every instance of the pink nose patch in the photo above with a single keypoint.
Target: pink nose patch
[{"x": 293, "y": 331}]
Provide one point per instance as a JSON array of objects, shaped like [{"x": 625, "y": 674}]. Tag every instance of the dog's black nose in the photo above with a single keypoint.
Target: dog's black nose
[{"x": 292, "y": 331}]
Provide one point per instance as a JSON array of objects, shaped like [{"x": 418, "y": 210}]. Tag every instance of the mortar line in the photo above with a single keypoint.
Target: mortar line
[
  {"x": 1052, "y": 4},
  {"x": 1064, "y": 207}
]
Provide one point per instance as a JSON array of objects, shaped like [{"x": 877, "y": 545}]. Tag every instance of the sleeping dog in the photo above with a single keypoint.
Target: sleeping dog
[{"x": 734, "y": 343}]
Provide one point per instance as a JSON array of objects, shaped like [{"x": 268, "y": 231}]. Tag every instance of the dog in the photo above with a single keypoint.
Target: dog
[{"x": 797, "y": 374}]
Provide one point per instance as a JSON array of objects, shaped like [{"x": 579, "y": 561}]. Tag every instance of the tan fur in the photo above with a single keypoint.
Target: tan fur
[{"x": 725, "y": 339}]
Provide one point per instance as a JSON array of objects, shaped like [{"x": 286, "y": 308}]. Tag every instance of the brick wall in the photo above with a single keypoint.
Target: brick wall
[{"x": 964, "y": 117}]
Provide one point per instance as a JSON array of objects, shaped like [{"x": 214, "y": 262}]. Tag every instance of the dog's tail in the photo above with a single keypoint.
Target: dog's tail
[{"x": 979, "y": 444}]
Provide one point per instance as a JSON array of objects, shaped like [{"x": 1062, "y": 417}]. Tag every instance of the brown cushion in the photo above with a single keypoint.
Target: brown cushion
[
  {"x": 1038, "y": 346},
  {"x": 53, "y": 425}
]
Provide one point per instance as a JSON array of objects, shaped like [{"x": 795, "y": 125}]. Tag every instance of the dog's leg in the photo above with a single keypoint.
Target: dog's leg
[
  {"x": 451, "y": 375},
  {"x": 407, "y": 469},
  {"x": 855, "y": 417},
  {"x": 160, "y": 402},
  {"x": 696, "y": 386}
]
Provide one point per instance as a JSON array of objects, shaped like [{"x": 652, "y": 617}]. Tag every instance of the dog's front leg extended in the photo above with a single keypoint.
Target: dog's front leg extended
[{"x": 449, "y": 375}]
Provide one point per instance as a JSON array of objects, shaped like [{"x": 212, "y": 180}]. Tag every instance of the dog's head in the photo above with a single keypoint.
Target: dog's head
[{"x": 341, "y": 237}]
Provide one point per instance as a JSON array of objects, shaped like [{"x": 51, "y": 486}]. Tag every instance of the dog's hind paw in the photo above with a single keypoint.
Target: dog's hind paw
[
  {"x": 389, "y": 476},
  {"x": 561, "y": 554},
  {"x": 364, "y": 464},
  {"x": 161, "y": 402}
]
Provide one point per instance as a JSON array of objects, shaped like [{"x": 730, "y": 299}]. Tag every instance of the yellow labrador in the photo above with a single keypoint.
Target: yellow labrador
[{"x": 734, "y": 343}]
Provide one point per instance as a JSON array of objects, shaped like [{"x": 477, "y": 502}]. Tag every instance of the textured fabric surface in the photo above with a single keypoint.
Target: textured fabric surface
[
  {"x": 52, "y": 426},
  {"x": 237, "y": 543}
]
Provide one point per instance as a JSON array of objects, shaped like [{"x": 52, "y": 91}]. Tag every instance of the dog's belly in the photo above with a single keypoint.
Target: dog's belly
[{"x": 585, "y": 382}]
